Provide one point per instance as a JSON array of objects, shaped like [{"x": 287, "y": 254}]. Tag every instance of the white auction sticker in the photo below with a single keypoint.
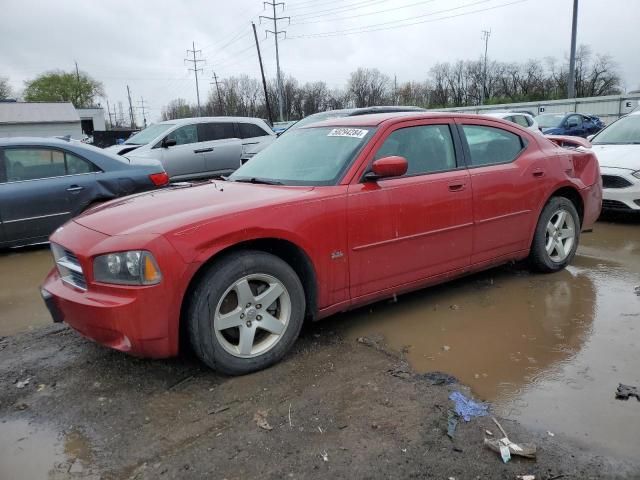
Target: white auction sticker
[{"x": 348, "y": 132}]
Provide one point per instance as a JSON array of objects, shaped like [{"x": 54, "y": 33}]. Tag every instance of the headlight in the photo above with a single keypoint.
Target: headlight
[
  {"x": 137, "y": 267},
  {"x": 636, "y": 174}
]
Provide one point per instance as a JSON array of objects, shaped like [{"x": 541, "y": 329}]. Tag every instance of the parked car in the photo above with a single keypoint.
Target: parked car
[
  {"x": 618, "y": 150},
  {"x": 198, "y": 147},
  {"x": 344, "y": 112},
  {"x": 523, "y": 119},
  {"x": 332, "y": 216},
  {"x": 573, "y": 124},
  {"x": 46, "y": 181},
  {"x": 528, "y": 112}
]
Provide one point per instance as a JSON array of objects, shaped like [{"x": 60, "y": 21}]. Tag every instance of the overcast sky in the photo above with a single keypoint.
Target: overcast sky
[{"x": 142, "y": 43}]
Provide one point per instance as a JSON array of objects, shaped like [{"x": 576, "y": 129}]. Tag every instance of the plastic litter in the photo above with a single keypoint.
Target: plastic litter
[
  {"x": 467, "y": 408},
  {"x": 23, "y": 383},
  {"x": 526, "y": 477},
  {"x": 506, "y": 447},
  {"x": 452, "y": 423},
  {"x": 624, "y": 392}
]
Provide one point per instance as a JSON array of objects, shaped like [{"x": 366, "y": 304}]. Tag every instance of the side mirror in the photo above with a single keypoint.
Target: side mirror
[
  {"x": 387, "y": 167},
  {"x": 168, "y": 142}
]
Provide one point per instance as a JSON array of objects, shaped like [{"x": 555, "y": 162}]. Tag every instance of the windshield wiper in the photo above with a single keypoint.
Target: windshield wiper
[{"x": 264, "y": 181}]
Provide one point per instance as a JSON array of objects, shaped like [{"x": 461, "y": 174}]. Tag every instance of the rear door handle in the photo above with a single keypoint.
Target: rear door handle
[
  {"x": 457, "y": 187},
  {"x": 75, "y": 188},
  {"x": 538, "y": 173},
  {"x": 203, "y": 150}
]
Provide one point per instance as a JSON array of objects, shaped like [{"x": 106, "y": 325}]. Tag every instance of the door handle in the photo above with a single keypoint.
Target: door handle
[
  {"x": 538, "y": 173},
  {"x": 203, "y": 150},
  {"x": 457, "y": 187},
  {"x": 75, "y": 188}
]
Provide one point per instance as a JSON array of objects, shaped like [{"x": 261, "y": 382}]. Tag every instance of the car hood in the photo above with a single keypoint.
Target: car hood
[
  {"x": 618, "y": 156},
  {"x": 184, "y": 205}
]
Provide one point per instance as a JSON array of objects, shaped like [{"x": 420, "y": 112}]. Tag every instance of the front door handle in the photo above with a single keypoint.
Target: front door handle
[
  {"x": 75, "y": 188},
  {"x": 457, "y": 186},
  {"x": 203, "y": 150}
]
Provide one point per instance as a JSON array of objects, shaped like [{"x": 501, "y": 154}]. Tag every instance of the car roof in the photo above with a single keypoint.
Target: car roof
[
  {"x": 42, "y": 141},
  {"x": 181, "y": 121},
  {"x": 376, "y": 119}
]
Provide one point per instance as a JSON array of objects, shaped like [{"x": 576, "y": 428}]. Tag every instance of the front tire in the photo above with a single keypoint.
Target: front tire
[
  {"x": 245, "y": 312},
  {"x": 555, "y": 240}
]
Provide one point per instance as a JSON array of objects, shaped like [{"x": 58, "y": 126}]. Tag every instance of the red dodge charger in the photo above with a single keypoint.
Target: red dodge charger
[{"x": 332, "y": 216}]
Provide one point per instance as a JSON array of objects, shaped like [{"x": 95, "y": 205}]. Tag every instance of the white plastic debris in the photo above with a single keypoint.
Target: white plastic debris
[{"x": 23, "y": 383}]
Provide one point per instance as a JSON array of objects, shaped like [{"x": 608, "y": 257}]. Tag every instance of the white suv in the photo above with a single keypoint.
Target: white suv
[{"x": 198, "y": 147}]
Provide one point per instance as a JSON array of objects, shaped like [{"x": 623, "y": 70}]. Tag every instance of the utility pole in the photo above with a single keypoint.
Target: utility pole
[
  {"x": 215, "y": 82},
  {"x": 485, "y": 35},
  {"x": 571, "y": 87},
  {"x": 120, "y": 119},
  {"x": 143, "y": 108},
  {"x": 275, "y": 33},
  {"x": 264, "y": 81},
  {"x": 77, "y": 102},
  {"x": 195, "y": 70},
  {"x": 131, "y": 115},
  {"x": 109, "y": 113}
]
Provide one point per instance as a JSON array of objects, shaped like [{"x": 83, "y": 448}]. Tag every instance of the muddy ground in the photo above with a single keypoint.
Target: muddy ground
[{"x": 546, "y": 352}]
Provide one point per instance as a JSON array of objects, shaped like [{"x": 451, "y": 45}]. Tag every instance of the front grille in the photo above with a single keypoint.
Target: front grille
[
  {"x": 614, "y": 181},
  {"x": 614, "y": 205},
  {"x": 69, "y": 267}
]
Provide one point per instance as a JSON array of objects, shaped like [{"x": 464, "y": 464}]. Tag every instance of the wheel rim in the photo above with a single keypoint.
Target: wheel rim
[
  {"x": 560, "y": 235},
  {"x": 252, "y": 315}
]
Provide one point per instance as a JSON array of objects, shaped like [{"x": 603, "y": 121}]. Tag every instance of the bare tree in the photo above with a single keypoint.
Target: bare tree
[
  {"x": 5, "y": 88},
  {"x": 369, "y": 87}
]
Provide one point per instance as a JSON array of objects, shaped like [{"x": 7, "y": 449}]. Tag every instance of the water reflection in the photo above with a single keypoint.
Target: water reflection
[{"x": 496, "y": 332}]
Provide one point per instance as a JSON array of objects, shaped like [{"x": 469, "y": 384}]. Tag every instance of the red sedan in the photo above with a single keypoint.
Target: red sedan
[{"x": 330, "y": 217}]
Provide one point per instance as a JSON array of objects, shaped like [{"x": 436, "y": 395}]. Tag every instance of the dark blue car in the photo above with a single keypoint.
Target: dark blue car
[
  {"x": 46, "y": 181},
  {"x": 573, "y": 124}
]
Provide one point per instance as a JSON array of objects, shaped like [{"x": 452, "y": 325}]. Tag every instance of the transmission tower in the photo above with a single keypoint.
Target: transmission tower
[
  {"x": 273, "y": 4},
  {"x": 195, "y": 61},
  {"x": 144, "y": 109}
]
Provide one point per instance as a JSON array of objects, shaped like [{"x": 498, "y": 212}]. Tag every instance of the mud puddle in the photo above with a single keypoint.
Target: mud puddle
[
  {"x": 36, "y": 452},
  {"x": 21, "y": 273},
  {"x": 546, "y": 350}
]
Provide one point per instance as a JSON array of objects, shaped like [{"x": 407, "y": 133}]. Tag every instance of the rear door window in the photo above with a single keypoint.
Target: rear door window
[
  {"x": 250, "y": 130},
  {"x": 184, "y": 135},
  {"x": 38, "y": 163},
  {"x": 215, "y": 131},
  {"x": 427, "y": 148},
  {"x": 490, "y": 145},
  {"x": 521, "y": 120}
]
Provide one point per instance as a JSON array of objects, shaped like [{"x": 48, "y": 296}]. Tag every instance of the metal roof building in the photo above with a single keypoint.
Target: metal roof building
[{"x": 39, "y": 119}]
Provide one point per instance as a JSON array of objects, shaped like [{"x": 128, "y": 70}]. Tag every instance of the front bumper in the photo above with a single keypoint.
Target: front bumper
[
  {"x": 140, "y": 320},
  {"x": 621, "y": 199}
]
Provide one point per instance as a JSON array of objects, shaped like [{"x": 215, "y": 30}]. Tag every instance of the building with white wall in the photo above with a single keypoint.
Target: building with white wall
[{"x": 40, "y": 119}]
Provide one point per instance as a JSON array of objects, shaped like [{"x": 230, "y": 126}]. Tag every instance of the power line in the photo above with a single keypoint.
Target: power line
[
  {"x": 195, "y": 70},
  {"x": 382, "y": 26},
  {"x": 275, "y": 33},
  {"x": 346, "y": 8},
  {"x": 393, "y": 9}
]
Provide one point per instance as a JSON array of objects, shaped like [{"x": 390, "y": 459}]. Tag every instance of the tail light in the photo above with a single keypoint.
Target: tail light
[{"x": 159, "y": 179}]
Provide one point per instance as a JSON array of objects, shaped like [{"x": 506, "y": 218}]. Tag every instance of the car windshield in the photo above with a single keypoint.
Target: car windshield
[
  {"x": 550, "y": 120},
  {"x": 307, "y": 156},
  {"x": 624, "y": 131},
  {"x": 149, "y": 134}
]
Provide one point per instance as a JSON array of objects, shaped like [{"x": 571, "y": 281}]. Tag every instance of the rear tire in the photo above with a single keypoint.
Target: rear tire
[
  {"x": 556, "y": 237},
  {"x": 246, "y": 312}
]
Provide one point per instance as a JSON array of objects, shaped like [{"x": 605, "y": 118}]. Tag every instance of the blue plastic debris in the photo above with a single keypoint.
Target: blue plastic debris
[{"x": 467, "y": 408}]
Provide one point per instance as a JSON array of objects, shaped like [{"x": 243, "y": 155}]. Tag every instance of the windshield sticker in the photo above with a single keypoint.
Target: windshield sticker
[{"x": 348, "y": 132}]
